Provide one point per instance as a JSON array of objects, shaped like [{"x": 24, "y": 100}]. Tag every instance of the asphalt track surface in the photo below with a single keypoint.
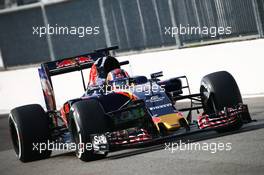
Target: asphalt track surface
[{"x": 245, "y": 157}]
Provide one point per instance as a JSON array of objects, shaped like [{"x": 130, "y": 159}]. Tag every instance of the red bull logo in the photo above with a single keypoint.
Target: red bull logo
[
  {"x": 84, "y": 59},
  {"x": 74, "y": 61},
  {"x": 66, "y": 63}
]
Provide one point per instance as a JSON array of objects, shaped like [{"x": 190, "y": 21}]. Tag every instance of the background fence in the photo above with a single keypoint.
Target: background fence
[{"x": 133, "y": 25}]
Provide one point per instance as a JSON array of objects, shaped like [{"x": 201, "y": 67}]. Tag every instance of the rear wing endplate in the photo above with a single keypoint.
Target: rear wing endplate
[{"x": 66, "y": 65}]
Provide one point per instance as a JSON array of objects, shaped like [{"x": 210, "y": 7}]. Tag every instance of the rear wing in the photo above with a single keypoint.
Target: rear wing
[
  {"x": 66, "y": 65},
  {"x": 76, "y": 63}
]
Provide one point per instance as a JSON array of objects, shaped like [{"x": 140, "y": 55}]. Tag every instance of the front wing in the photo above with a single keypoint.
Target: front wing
[{"x": 224, "y": 118}]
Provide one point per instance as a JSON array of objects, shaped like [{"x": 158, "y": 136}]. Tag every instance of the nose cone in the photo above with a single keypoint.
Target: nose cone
[{"x": 170, "y": 121}]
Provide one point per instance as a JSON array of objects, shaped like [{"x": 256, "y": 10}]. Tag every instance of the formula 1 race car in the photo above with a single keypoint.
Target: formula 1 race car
[{"x": 117, "y": 109}]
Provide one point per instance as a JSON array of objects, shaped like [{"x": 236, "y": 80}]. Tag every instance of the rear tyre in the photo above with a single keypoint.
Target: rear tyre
[
  {"x": 220, "y": 90},
  {"x": 87, "y": 117},
  {"x": 29, "y": 127}
]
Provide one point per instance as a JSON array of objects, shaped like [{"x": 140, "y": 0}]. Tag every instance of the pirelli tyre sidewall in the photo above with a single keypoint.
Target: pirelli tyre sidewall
[
  {"x": 87, "y": 117},
  {"x": 29, "y": 127},
  {"x": 220, "y": 90}
]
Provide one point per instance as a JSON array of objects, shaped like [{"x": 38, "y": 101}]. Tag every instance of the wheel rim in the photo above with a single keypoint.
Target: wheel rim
[
  {"x": 209, "y": 105},
  {"x": 77, "y": 136},
  {"x": 15, "y": 136}
]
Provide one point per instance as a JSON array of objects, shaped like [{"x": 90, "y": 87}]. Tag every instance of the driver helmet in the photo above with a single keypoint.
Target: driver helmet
[{"x": 117, "y": 78}]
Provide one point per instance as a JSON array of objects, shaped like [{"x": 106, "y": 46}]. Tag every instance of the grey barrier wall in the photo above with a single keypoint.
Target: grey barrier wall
[
  {"x": 2, "y": 4},
  {"x": 261, "y": 12},
  {"x": 132, "y": 24},
  {"x": 18, "y": 45},
  {"x": 76, "y": 13}
]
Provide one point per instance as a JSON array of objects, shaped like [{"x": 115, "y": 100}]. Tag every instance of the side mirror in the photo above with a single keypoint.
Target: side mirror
[{"x": 155, "y": 76}]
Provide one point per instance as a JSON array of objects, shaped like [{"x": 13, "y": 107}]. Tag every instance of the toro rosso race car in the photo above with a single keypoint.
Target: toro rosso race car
[{"x": 117, "y": 109}]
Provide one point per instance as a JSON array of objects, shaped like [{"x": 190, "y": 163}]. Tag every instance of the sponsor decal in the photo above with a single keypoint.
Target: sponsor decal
[
  {"x": 71, "y": 62},
  {"x": 155, "y": 98},
  {"x": 160, "y": 106}
]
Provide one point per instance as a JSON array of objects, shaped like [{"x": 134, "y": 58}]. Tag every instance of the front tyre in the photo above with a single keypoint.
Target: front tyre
[
  {"x": 219, "y": 90},
  {"x": 87, "y": 118}
]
